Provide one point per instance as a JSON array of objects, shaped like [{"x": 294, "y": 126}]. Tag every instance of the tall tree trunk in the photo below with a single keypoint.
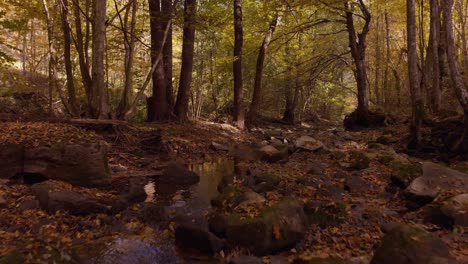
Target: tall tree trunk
[
  {"x": 82, "y": 58},
  {"x": 257, "y": 91},
  {"x": 413, "y": 73},
  {"x": 129, "y": 44},
  {"x": 72, "y": 105},
  {"x": 188, "y": 46},
  {"x": 99, "y": 89},
  {"x": 167, "y": 9},
  {"x": 386, "y": 88},
  {"x": 158, "y": 105},
  {"x": 237, "y": 65},
  {"x": 357, "y": 44},
  {"x": 378, "y": 60},
  {"x": 434, "y": 52},
  {"x": 52, "y": 58},
  {"x": 457, "y": 79}
]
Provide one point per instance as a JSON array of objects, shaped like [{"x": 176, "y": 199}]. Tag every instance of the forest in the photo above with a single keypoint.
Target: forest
[{"x": 234, "y": 131}]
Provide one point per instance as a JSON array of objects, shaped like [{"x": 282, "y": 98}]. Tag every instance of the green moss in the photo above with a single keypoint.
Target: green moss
[
  {"x": 405, "y": 173},
  {"x": 358, "y": 160},
  {"x": 327, "y": 214}
]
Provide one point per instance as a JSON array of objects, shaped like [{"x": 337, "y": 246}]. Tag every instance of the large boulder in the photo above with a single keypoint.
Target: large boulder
[
  {"x": 406, "y": 244},
  {"x": 452, "y": 212},
  {"x": 274, "y": 154},
  {"x": 277, "y": 228},
  {"x": 434, "y": 180},
  {"x": 403, "y": 173},
  {"x": 11, "y": 160},
  {"x": 308, "y": 144},
  {"x": 194, "y": 234},
  {"x": 81, "y": 165},
  {"x": 246, "y": 153},
  {"x": 53, "y": 198}
]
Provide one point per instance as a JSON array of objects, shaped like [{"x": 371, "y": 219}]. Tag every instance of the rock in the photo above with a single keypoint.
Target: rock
[
  {"x": 29, "y": 205},
  {"x": 81, "y": 165},
  {"x": 402, "y": 174},
  {"x": 152, "y": 214},
  {"x": 330, "y": 260},
  {"x": 274, "y": 154},
  {"x": 278, "y": 259},
  {"x": 135, "y": 194},
  {"x": 356, "y": 184},
  {"x": 11, "y": 160},
  {"x": 177, "y": 174},
  {"x": 252, "y": 198},
  {"x": 52, "y": 198},
  {"x": 452, "y": 212},
  {"x": 3, "y": 202},
  {"x": 436, "y": 179},
  {"x": 325, "y": 214},
  {"x": 194, "y": 234},
  {"x": 265, "y": 182},
  {"x": 408, "y": 244},
  {"x": 244, "y": 259},
  {"x": 329, "y": 192},
  {"x": 231, "y": 196},
  {"x": 277, "y": 228},
  {"x": 358, "y": 160},
  {"x": 217, "y": 224},
  {"x": 246, "y": 153},
  {"x": 308, "y": 144},
  {"x": 219, "y": 147},
  {"x": 12, "y": 257}
]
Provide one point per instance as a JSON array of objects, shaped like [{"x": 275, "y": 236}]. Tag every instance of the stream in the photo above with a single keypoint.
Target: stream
[{"x": 162, "y": 250}]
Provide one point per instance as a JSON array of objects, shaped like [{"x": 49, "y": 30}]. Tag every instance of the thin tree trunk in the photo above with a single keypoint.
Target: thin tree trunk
[
  {"x": 167, "y": 9},
  {"x": 378, "y": 61},
  {"x": 357, "y": 44},
  {"x": 100, "y": 98},
  {"x": 237, "y": 65},
  {"x": 72, "y": 105},
  {"x": 413, "y": 74},
  {"x": 188, "y": 46},
  {"x": 434, "y": 51},
  {"x": 386, "y": 89},
  {"x": 257, "y": 91},
  {"x": 129, "y": 58},
  {"x": 52, "y": 59},
  {"x": 82, "y": 58}
]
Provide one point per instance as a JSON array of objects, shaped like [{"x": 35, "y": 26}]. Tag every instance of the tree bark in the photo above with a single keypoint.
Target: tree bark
[
  {"x": 167, "y": 9},
  {"x": 457, "y": 79},
  {"x": 188, "y": 46},
  {"x": 413, "y": 73},
  {"x": 72, "y": 105},
  {"x": 378, "y": 60},
  {"x": 386, "y": 88},
  {"x": 158, "y": 105},
  {"x": 257, "y": 91},
  {"x": 237, "y": 65},
  {"x": 99, "y": 89},
  {"x": 82, "y": 58},
  {"x": 434, "y": 52},
  {"x": 357, "y": 44},
  {"x": 129, "y": 44},
  {"x": 52, "y": 57}
]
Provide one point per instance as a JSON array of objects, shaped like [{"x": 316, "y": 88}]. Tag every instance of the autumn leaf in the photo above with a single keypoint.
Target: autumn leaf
[{"x": 276, "y": 232}]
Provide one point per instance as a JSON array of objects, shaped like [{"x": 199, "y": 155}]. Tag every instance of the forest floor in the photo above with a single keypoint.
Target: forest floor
[{"x": 31, "y": 235}]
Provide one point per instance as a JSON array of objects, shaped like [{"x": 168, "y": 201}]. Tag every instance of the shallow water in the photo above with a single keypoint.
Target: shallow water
[{"x": 140, "y": 251}]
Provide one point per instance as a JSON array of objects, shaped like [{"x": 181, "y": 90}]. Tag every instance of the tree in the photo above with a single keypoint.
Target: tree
[
  {"x": 71, "y": 102},
  {"x": 237, "y": 65},
  {"x": 257, "y": 90},
  {"x": 188, "y": 46},
  {"x": 52, "y": 59},
  {"x": 434, "y": 55},
  {"x": 357, "y": 45},
  {"x": 100, "y": 98},
  {"x": 158, "y": 104},
  {"x": 457, "y": 79},
  {"x": 415, "y": 88}
]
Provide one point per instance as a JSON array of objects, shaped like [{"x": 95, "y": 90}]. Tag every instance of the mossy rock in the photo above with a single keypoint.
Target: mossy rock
[
  {"x": 408, "y": 244},
  {"x": 325, "y": 214},
  {"x": 402, "y": 174},
  {"x": 266, "y": 182},
  {"x": 12, "y": 257},
  {"x": 231, "y": 196},
  {"x": 358, "y": 160},
  {"x": 277, "y": 228},
  {"x": 384, "y": 140},
  {"x": 331, "y": 260}
]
